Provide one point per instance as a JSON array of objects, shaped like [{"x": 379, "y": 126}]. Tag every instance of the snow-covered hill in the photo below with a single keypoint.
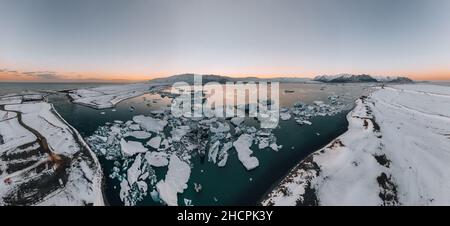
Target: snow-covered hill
[{"x": 396, "y": 152}]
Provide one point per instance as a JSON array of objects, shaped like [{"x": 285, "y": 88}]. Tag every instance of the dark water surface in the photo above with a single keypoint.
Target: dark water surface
[{"x": 232, "y": 184}]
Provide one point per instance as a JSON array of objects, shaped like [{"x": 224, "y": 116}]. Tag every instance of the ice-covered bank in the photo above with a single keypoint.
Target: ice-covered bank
[
  {"x": 43, "y": 160},
  {"x": 396, "y": 152},
  {"x": 107, "y": 96}
]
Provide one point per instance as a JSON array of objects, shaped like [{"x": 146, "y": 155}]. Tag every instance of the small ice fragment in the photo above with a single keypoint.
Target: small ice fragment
[{"x": 187, "y": 202}]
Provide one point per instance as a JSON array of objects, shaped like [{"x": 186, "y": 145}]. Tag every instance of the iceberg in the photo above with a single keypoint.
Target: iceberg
[{"x": 242, "y": 146}]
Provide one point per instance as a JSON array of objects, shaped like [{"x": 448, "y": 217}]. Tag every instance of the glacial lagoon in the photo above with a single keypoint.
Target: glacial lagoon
[{"x": 231, "y": 184}]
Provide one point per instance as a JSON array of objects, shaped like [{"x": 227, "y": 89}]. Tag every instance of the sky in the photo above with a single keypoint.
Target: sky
[{"x": 117, "y": 40}]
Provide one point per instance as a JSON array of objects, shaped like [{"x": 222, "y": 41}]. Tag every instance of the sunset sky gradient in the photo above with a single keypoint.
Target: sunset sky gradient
[{"x": 116, "y": 40}]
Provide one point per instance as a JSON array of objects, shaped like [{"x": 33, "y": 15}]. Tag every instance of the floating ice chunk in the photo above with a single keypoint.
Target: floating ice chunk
[
  {"x": 130, "y": 148},
  {"x": 124, "y": 191},
  {"x": 150, "y": 124},
  {"x": 179, "y": 132},
  {"x": 134, "y": 127},
  {"x": 115, "y": 129},
  {"x": 223, "y": 155},
  {"x": 307, "y": 122},
  {"x": 242, "y": 146},
  {"x": 237, "y": 120},
  {"x": 213, "y": 151},
  {"x": 154, "y": 142},
  {"x": 102, "y": 113},
  {"x": 303, "y": 122},
  {"x": 134, "y": 171},
  {"x": 142, "y": 186},
  {"x": 219, "y": 127},
  {"x": 158, "y": 112},
  {"x": 157, "y": 159},
  {"x": 144, "y": 176},
  {"x": 165, "y": 144},
  {"x": 263, "y": 143},
  {"x": 318, "y": 103},
  {"x": 208, "y": 121},
  {"x": 175, "y": 182},
  {"x": 139, "y": 134},
  {"x": 285, "y": 116},
  {"x": 187, "y": 202},
  {"x": 275, "y": 147}
]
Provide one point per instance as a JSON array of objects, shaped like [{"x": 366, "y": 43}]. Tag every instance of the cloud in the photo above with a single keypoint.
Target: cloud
[{"x": 45, "y": 75}]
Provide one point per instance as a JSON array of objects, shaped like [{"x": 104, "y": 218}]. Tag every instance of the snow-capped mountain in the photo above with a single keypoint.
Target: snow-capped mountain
[
  {"x": 340, "y": 78},
  {"x": 189, "y": 78},
  {"x": 345, "y": 78}
]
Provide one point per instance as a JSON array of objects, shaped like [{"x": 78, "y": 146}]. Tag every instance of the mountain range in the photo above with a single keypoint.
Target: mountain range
[{"x": 340, "y": 78}]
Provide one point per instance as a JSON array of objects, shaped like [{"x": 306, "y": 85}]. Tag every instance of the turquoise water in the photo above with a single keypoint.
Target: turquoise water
[{"x": 232, "y": 184}]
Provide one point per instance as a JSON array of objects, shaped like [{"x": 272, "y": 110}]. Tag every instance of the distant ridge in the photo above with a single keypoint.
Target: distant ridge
[
  {"x": 189, "y": 78},
  {"x": 349, "y": 78},
  {"x": 341, "y": 78}
]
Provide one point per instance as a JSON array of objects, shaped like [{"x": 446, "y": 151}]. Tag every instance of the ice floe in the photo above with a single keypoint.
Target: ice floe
[
  {"x": 175, "y": 182},
  {"x": 142, "y": 135},
  {"x": 242, "y": 146},
  {"x": 157, "y": 159},
  {"x": 154, "y": 142},
  {"x": 130, "y": 148},
  {"x": 150, "y": 124}
]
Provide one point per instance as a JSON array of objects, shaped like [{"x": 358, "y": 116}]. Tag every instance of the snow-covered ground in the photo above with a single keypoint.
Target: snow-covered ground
[
  {"x": 107, "y": 96},
  {"x": 43, "y": 160},
  {"x": 396, "y": 152}
]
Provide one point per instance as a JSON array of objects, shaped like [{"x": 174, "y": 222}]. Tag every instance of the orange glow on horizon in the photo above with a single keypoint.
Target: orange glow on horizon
[{"x": 135, "y": 77}]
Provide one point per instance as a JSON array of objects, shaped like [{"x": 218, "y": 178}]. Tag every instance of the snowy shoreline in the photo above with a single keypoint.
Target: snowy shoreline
[
  {"x": 108, "y": 96},
  {"x": 395, "y": 152},
  {"x": 43, "y": 159}
]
